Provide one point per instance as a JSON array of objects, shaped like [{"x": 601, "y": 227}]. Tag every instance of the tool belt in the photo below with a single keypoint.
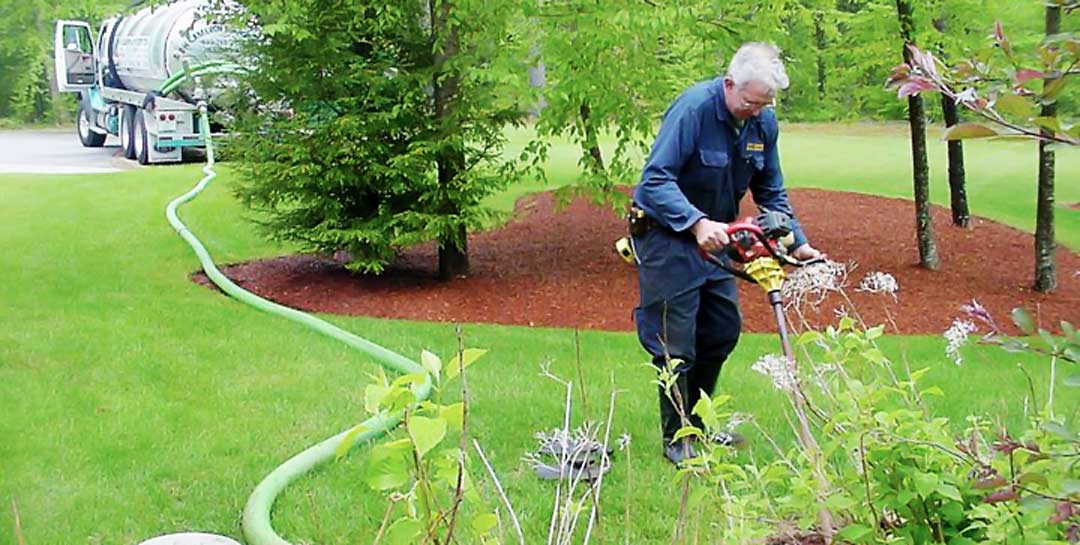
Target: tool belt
[{"x": 638, "y": 222}]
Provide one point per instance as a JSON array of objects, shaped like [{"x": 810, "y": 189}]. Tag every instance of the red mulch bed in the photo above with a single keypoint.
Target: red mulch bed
[{"x": 548, "y": 268}]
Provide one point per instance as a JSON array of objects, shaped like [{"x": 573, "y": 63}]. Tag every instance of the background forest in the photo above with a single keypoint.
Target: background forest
[{"x": 839, "y": 52}]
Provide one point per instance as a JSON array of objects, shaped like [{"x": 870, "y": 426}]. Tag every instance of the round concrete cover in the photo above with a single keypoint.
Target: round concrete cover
[{"x": 190, "y": 538}]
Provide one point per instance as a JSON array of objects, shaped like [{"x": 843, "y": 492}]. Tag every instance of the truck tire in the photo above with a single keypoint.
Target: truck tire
[
  {"x": 127, "y": 131},
  {"x": 141, "y": 140},
  {"x": 88, "y": 137}
]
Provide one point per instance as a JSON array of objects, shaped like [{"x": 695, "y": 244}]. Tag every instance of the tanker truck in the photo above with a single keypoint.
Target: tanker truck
[{"x": 129, "y": 73}]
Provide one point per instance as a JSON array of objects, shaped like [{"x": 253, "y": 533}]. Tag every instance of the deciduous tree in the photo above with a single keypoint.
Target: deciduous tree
[
  {"x": 1015, "y": 98},
  {"x": 924, "y": 225}
]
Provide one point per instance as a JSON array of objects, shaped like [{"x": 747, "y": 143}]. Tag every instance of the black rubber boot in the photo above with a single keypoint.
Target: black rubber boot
[
  {"x": 671, "y": 422},
  {"x": 702, "y": 376},
  {"x": 680, "y": 451},
  {"x": 719, "y": 437}
]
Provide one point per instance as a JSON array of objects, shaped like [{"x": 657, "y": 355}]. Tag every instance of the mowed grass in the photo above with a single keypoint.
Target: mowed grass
[
  {"x": 875, "y": 158},
  {"x": 136, "y": 403}
]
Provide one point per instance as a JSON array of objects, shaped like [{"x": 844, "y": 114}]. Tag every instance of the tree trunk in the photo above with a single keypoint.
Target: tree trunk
[
  {"x": 453, "y": 246},
  {"x": 819, "y": 40},
  {"x": 961, "y": 216},
  {"x": 1045, "y": 264},
  {"x": 538, "y": 70},
  {"x": 56, "y": 100},
  {"x": 924, "y": 225},
  {"x": 537, "y": 80},
  {"x": 592, "y": 144}
]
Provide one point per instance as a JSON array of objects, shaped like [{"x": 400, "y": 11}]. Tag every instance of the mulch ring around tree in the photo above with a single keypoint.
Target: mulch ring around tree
[{"x": 558, "y": 269}]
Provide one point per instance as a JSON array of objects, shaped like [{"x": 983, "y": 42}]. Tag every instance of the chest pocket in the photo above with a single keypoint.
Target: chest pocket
[
  {"x": 714, "y": 158},
  {"x": 753, "y": 151},
  {"x": 702, "y": 183}
]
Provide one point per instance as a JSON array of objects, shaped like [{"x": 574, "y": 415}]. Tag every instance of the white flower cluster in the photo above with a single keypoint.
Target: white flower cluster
[
  {"x": 777, "y": 368},
  {"x": 840, "y": 312},
  {"x": 957, "y": 336},
  {"x": 880, "y": 283},
  {"x": 812, "y": 283}
]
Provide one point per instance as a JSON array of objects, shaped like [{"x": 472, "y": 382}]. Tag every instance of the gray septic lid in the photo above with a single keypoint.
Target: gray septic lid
[{"x": 190, "y": 538}]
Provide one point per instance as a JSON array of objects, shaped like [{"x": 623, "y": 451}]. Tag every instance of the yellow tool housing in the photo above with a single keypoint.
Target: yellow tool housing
[{"x": 766, "y": 271}]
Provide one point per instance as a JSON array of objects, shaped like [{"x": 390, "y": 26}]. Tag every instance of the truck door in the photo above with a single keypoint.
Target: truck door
[{"x": 73, "y": 52}]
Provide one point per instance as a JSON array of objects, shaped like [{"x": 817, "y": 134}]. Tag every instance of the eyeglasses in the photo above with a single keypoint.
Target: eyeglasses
[
  {"x": 744, "y": 105},
  {"x": 755, "y": 105}
]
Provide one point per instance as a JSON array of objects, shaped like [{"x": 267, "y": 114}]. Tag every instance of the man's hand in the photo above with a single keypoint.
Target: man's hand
[
  {"x": 711, "y": 235},
  {"x": 806, "y": 252}
]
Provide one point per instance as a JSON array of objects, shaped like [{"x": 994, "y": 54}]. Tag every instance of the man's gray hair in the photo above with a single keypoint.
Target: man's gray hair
[{"x": 758, "y": 61}]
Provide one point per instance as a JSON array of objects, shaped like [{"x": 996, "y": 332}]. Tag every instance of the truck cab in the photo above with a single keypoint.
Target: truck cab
[{"x": 76, "y": 72}]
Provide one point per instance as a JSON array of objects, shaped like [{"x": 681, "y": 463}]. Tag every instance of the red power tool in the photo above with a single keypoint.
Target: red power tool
[
  {"x": 759, "y": 246},
  {"x": 766, "y": 235}
]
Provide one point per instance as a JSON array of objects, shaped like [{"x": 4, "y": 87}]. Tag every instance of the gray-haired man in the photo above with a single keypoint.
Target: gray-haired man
[{"x": 717, "y": 140}]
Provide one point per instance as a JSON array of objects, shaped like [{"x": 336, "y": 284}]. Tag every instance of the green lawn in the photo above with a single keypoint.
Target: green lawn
[
  {"x": 875, "y": 158},
  {"x": 136, "y": 403},
  {"x": 1001, "y": 176}
]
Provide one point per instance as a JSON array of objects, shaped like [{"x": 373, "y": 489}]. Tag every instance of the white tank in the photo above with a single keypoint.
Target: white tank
[{"x": 146, "y": 48}]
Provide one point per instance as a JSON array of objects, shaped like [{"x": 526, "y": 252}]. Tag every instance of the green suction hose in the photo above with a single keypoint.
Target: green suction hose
[
  {"x": 256, "y": 520},
  {"x": 208, "y": 68}
]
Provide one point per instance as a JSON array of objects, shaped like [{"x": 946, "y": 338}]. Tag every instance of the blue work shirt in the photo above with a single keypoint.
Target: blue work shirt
[{"x": 701, "y": 166}]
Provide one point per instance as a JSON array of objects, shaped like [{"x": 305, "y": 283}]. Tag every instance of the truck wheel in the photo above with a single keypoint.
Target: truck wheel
[
  {"x": 141, "y": 139},
  {"x": 89, "y": 138},
  {"x": 127, "y": 131}
]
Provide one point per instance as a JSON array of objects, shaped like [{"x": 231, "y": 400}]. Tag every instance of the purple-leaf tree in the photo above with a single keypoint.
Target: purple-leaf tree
[{"x": 1007, "y": 96}]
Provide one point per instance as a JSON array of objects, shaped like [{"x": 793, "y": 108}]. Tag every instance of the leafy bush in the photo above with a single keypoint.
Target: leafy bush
[{"x": 898, "y": 474}]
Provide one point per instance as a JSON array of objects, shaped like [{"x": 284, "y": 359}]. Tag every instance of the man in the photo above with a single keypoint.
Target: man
[{"x": 717, "y": 140}]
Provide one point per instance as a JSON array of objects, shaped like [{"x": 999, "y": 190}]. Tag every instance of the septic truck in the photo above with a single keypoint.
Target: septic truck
[{"x": 135, "y": 76}]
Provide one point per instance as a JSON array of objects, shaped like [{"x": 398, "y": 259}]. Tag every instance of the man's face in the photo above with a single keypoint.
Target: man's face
[{"x": 747, "y": 100}]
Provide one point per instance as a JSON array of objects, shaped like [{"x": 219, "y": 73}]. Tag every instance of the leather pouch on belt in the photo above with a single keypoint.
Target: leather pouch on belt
[{"x": 637, "y": 222}]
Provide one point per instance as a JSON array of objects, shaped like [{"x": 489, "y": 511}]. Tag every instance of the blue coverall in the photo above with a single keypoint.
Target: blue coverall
[{"x": 700, "y": 166}]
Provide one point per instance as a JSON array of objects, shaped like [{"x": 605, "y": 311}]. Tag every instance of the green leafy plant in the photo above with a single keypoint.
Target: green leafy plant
[
  {"x": 432, "y": 496},
  {"x": 901, "y": 474},
  {"x": 744, "y": 509},
  {"x": 1006, "y": 94},
  {"x": 426, "y": 479},
  {"x": 896, "y": 479}
]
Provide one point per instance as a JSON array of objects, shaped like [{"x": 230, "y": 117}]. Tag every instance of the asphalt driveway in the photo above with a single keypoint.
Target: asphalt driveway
[{"x": 57, "y": 151}]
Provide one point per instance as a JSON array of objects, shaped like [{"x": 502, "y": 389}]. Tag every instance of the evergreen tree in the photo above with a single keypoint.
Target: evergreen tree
[{"x": 377, "y": 126}]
